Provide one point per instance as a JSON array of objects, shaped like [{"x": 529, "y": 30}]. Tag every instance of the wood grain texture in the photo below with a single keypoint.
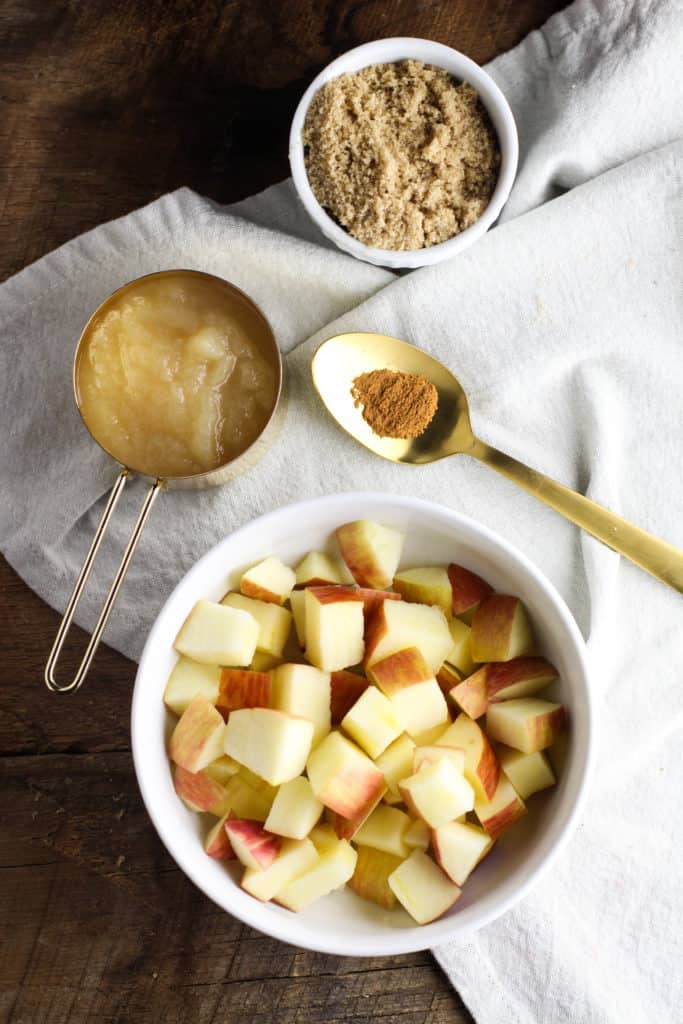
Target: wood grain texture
[{"x": 104, "y": 107}]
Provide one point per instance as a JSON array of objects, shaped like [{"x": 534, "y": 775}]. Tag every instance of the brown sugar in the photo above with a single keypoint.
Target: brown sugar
[
  {"x": 400, "y": 155},
  {"x": 395, "y": 404}
]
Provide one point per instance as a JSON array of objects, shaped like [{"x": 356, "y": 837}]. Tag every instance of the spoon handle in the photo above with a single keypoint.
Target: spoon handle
[{"x": 649, "y": 552}]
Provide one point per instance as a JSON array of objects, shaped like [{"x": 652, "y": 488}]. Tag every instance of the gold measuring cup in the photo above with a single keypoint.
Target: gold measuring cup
[{"x": 213, "y": 477}]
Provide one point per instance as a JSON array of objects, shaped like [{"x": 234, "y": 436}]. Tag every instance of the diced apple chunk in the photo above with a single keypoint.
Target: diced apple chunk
[
  {"x": 371, "y": 551},
  {"x": 471, "y": 695},
  {"x": 460, "y": 653},
  {"x": 334, "y": 627},
  {"x": 272, "y": 743},
  {"x": 245, "y": 800},
  {"x": 468, "y": 590},
  {"x": 520, "y": 677},
  {"x": 406, "y": 678},
  {"x": 429, "y": 585},
  {"x": 384, "y": 830},
  {"x": 273, "y": 623},
  {"x": 481, "y": 764},
  {"x": 217, "y": 844},
  {"x": 372, "y": 722},
  {"x": 503, "y": 809},
  {"x": 458, "y": 849},
  {"x": 297, "y": 601},
  {"x": 437, "y": 793},
  {"x": 344, "y": 778},
  {"x": 333, "y": 870},
  {"x": 197, "y": 739},
  {"x": 187, "y": 679},
  {"x": 528, "y": 773},
  {"x": 346, "y": 687},
  {"x": 370, "y": 879},
  {"x": 500, "y": 629},
  {"x": 295, "y": 857},
  {"x": 397, "y": 625},
  {"x": 447, "y": 677},
  {"x": 271, "y": 580},
  {"x": 295, "y": 810},
  {"x": 396, "y": 763},
  {"x": 263, "y": 662},
  {"x": 198, "y": 790},
  {"x": 304, "y": 691},
  {"x": 317, "y": 569},
  {"x": 216, "y": 635},
  {"x": 526, "y": 723},
  {"x": 223, "y": 769},
  {"x": 242, "y": 688},
  {"x": 417, "y": 835},
  {"x": 323, "y": 836},
  {"x": 429, "y": 754},
  {"x": 422, "y": 888},
  {"x": 253, "y": 846}
]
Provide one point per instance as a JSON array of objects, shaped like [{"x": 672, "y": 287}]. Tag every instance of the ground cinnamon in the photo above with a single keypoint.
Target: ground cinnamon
[{"x": 395, "y": 404}]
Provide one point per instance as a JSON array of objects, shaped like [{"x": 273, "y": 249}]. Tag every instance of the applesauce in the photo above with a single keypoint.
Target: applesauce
[{"x": 176, "y": 374}]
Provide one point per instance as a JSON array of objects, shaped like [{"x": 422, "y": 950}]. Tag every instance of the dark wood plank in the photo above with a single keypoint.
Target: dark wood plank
[{"x": 103, "y": 108}]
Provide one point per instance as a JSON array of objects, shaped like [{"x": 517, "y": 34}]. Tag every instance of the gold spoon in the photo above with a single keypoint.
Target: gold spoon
[{"x": 341, "y": 359}]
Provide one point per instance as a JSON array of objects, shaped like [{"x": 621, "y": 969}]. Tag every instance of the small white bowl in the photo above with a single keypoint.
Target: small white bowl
[
  {"x": 387, "y": 51},
  {"x": 342, "y": 923}
]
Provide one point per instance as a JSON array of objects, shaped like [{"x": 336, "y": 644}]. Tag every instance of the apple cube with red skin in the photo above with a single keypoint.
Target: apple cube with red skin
[
  {"x": 468, "y": 590},
  {"x": 459, "y": 847},
  {"x": 520, "y": 677},
  {"x": 528, "y": 773},
  {"x": 272, "y": 743},
  {"x": 333, "y": 869},
  {"x": 428, "y": 585},
  {"x": 242, "y": 688},
  {"x": 370, "y": 879},
  {"x": 295, "y": 810},
  {"x": 304, "y": 691},
  {"x": 344, "y": 778},
  {"x": 216, "y": 635},
  {"x": 500, "y": 629},
  {"x": 198, "y": 790},
  {"x": 253, "y": 846},
  {"x": 503, "y": 809},
  {"x": 273, "y": 623},
  {"x": 437, "y": 793},
  {"x": 407, "y": 679},
  {"x": 187, "y": 679},
  {"x": 447, "y": 677},
  {"x": 460, "y": 653},
  {"x": 482, "y": 770},
  {"x": 197, "y": 739},
  {"x": 317, "y": 569},
  {"x": 471, "y": 695},
  {"x": 217, "y": 844},
  {"x": 371, "y": 551},
  {"x": 430, "y": 754},
  {"x": 396, "y": 763},
  {"x": 525, "y": 723},
  {"x": 334, "y": 627},
  {"x": 372, "y": 599},
  {"x": 271, "y": 580},
  {"x": 384, "y": 830},
  {"x": 345, "y": 689},
  {"x": 422, "y": 888},
  {"x": 397, "y": 625},
  {"x": 295, "y": 857},
  {"x": 372, "y": 722}
]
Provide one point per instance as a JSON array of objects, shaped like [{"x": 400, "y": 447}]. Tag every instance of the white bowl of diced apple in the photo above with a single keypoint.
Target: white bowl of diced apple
[{"x": 362, "y": 724}]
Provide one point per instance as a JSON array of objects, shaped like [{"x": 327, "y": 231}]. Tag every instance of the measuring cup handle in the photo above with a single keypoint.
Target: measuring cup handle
[{"x": 65, "y": 624}]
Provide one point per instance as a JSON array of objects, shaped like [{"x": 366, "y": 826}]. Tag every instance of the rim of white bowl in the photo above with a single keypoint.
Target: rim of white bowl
[
  {"x": 385, "y": 51},
  {"x": 294, "y": 929}
]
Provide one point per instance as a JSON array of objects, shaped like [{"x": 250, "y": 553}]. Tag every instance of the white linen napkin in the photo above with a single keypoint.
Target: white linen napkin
[{"x": 564, "y": 325}]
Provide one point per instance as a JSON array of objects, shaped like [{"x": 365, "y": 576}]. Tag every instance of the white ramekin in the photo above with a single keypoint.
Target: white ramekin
[
  {"x": 386, "y": 51},
  {"x": 342, "y": 923}
]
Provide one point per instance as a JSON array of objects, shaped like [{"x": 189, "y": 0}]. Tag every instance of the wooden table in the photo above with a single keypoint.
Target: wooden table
[{"x": 105, "y": 107}]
